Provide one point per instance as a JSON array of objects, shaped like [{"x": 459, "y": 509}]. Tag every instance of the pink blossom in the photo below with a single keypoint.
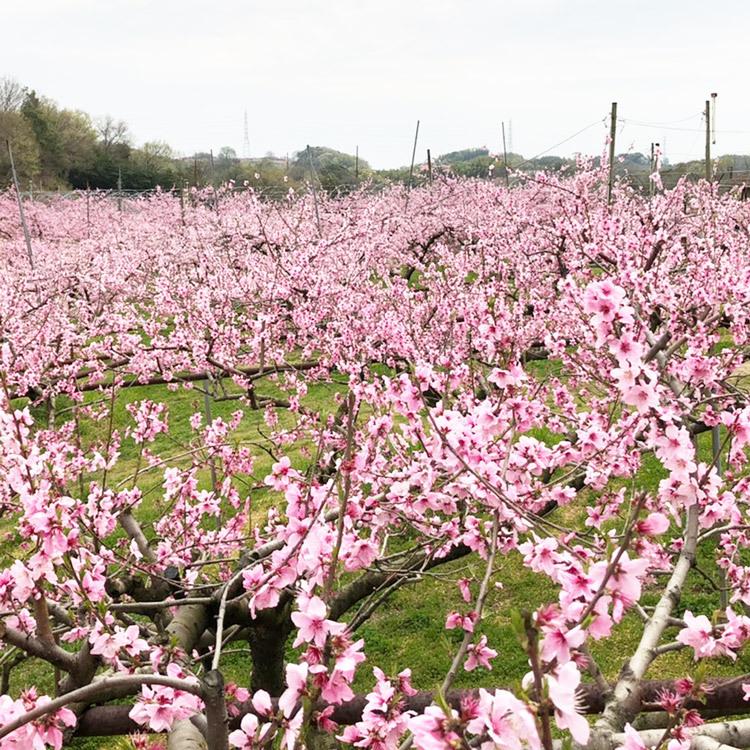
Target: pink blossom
[
  {"x": 653, "y": 525},
  {"x": 562, "y": 687},
  {"x": 296, "y": 680},
  {"x": 633, "y": 740},
  {"x": 312, "y": 623},
  {"x": 479, "y": 655},
  {"x": 558, "y": 642},
  {"x": 158, "y": 707},
  {"x": 506, "y": 720},
  {"x": 698, "y": 634}
]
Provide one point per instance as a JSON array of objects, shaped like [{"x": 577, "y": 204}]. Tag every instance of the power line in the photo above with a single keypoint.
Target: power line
[
  {"x": 569, "y": 138},
  {"x": 642, "y": 124}
]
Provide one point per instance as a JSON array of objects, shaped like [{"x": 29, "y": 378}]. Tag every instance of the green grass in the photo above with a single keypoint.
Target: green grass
[{"x": 409, "y": 629}]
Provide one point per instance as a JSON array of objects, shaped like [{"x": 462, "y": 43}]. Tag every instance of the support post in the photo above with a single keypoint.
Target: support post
[
  {"x": 612, "y": 135},
  {"x": 24, "y": 225},
  {"x": 707, "y": 116},
  {"x": 650, "y": 172},
  {"x": 314, "y": 191},
  {"x": 505, "y": 159},
  {"x": 413, "y": 156}
]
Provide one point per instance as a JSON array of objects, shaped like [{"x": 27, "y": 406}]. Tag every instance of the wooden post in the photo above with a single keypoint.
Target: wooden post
[
  {"x": 314, "y": 191},
  {"x": 612, "y": 134},
  {"x": 709, "y": 171},
  {"x": 505, "y": 159},
  {"x": 713, "y": 118},
  {"x": 429, "y": 166},
  {"x": 213, "y": 180},
  {"x": 411, "y": 168},
  {"x": 650, "y": 172},
  {"x": 24, "y": 225}
]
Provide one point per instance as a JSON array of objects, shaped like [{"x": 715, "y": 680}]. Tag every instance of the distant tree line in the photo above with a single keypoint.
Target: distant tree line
[{"x": 54, "y": 147}]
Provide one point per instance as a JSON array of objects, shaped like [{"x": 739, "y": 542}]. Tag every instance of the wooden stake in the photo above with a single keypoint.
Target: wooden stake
[
  {"x": 709, "y": 171},
  {"x": 24, "y": 225},
  {"x": 612, "y": 134},
  {"x": 505, "y": 159},
  {"x": 713, "y": 118},
  {"x": 411, "y": 168},
  {"x": 413, "y": 155},
  {"x": 314, "y": 191},
  {"x": 650, "y": 172},
  {"x": 213, "y": 180}
]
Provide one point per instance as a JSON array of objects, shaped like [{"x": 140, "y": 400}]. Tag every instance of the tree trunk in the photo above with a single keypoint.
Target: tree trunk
[{"x": 267, "y": 650}]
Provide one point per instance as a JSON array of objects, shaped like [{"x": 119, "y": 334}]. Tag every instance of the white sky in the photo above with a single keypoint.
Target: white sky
[{"x": 343, "y": 73}]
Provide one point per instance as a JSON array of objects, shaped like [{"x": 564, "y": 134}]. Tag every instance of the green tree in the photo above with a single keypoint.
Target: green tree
[
  {"x": 150, "y": 166},
  {"x": 16, "y": 129},
  {"x": 66, "y": 139},
  {"x": 334, "y": 170}
]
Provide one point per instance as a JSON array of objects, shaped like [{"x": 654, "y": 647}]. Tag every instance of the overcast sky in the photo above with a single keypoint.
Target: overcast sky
[{"x": 344, "y": 73}]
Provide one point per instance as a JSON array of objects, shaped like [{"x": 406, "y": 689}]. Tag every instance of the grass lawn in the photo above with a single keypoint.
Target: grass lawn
[{"x": 409, "y": 629}]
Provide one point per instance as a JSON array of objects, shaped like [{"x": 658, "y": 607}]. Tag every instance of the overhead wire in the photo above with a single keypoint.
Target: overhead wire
[
  {"x": 569, "y": 138},
  {"x": 641, "y": 124}
]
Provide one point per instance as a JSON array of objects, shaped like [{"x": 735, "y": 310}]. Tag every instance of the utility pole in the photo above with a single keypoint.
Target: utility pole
[
  {"x": 707, "y": 114},
  {"x": 612, "y": 134},
  {"x": 505, "y": 159},
  {"x": 429, "y": 166}
]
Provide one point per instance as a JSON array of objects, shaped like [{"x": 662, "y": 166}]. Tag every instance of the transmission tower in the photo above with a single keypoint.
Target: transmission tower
[{"x": 246, "y": 140}]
